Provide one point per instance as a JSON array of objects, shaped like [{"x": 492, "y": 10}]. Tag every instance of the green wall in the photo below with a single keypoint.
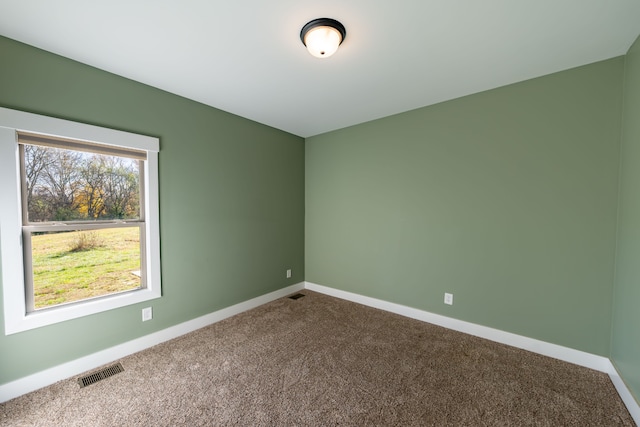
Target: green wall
[
  {"x": 625, "y": 348},
  {"x": 505, "y": 198},
  {"x": 231, "y": 202}
]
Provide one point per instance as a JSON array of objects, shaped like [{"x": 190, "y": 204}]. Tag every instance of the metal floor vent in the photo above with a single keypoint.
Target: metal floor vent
[
  {"x": 296, "y": 296},
  {"x": 100, "y": 375}
]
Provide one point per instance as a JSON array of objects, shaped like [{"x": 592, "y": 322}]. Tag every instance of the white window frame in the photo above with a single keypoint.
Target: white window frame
[{"x": 16, "y": 318}]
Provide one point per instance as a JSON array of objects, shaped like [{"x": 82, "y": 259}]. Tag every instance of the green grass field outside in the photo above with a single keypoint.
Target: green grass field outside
[{"x": 72, "y": 266}]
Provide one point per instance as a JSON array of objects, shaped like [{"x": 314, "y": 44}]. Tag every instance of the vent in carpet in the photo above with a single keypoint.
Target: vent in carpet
[
  {"x": 100, "y": 375},
  {"x": 296, "y": 296}
]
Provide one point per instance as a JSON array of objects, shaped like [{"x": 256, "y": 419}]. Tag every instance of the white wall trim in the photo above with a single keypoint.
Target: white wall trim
[
  {"x": 17, "y": 317},
  {"x": 75, "y": 367},
  {"x": 599, "y": 363},
  {"x": 625, "y": 394}
]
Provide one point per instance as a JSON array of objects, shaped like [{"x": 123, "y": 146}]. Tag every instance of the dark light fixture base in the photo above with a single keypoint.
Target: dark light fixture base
[{"x": 323, "y": 22}]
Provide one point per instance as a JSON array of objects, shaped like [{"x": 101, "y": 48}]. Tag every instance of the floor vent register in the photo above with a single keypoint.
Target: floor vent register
[{"x": 100, "y": 375}]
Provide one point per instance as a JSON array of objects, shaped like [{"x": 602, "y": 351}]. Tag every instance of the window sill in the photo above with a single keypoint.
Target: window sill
[{"x": 49, "y": 316}]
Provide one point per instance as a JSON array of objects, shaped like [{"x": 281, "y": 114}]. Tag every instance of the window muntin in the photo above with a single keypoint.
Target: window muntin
[{"x": 76, "y": 197}]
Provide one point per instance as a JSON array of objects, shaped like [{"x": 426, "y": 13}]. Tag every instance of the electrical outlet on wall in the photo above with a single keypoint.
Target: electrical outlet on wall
[
  {"x": 288, "y": 273},
  {"x": 147, "y": 314},
  {"x": 448, "y": 298}
]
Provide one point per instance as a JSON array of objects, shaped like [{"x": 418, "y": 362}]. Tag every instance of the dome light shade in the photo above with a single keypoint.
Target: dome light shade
[{"x": 322, "y": 36}]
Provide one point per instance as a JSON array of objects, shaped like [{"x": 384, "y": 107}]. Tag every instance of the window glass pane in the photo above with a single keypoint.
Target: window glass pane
[
  {"x": 71, "y": 266},
  {"x": 68, "y": 185}
]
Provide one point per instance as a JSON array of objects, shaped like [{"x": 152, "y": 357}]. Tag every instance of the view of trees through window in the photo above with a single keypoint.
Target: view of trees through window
[
  {"x": 67, "y": 185},
  {"x": 64, "y": 188}
]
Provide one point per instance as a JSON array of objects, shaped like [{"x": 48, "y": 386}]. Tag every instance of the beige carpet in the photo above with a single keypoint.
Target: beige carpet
[{"x": 320, "y": 361}]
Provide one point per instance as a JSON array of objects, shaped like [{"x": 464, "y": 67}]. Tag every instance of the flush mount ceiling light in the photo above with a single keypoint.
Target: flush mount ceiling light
[{"x": 322, "y": 36}]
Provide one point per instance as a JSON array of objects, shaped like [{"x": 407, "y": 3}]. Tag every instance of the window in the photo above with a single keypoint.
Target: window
[
  {"x": 78, "y": 219},
  {"x": 82, "y": 219}
]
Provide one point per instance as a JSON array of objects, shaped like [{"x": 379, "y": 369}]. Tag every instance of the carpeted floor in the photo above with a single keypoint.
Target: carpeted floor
[{"x": 321, "y": 361}]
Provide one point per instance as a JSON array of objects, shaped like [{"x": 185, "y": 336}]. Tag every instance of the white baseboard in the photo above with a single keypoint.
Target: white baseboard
[
  {"x": 577, "y": 357},
  {"x": 75, "y": 367},
  {"x": 625, "y": 394}
]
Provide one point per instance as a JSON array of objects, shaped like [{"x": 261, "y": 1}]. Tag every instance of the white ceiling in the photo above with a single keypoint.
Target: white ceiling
[{"x": 245, "y": 56}]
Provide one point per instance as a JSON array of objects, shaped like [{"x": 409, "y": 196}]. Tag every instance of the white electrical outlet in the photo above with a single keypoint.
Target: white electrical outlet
[
  {"x": 448, "y": 298},
  {"x": 147, "y": 314},
  {"x": 288, "y": 273}
]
